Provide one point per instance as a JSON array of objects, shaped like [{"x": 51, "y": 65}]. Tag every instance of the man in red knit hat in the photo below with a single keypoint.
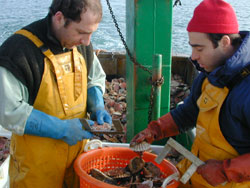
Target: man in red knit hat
[{"x": 219, "y": 102}]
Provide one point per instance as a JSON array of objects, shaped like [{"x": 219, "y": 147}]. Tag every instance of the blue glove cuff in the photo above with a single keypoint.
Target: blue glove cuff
[
  {"x": 95, "y": 104},
  {"x": 44, "y": 125},
  {"x": 95, "y": 99},
  {"x": 41, "y": 124}
]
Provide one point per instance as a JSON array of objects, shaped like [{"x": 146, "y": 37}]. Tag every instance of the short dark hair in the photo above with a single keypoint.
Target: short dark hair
[
  {"x": 215, "y": 38},
  {"x": 72, "y": 9}
]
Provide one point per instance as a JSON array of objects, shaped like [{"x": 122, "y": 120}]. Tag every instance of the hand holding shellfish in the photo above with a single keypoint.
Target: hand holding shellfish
[{"x": 141, "y": 141}]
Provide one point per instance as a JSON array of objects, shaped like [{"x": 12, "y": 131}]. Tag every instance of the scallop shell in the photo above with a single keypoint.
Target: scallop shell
[
  {"x": 136, "y": 164},
  {"x": 143, "y": 146}
]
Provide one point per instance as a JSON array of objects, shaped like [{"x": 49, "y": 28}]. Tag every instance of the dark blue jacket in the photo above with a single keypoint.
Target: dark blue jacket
[{"x": 234, "y": 117}]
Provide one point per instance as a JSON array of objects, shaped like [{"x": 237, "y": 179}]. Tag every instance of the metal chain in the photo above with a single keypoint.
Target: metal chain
[
  {"x": 177, "y": 2},
  {"x": 154, "y": 84},
  {"x": 151, "y": 104},
  {"x": 158, "y": 82},
  {"x": 124, "y": 43}
]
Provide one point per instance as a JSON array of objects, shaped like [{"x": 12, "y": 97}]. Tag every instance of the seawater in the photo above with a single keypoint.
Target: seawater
[{"x": 15, "y": 14}]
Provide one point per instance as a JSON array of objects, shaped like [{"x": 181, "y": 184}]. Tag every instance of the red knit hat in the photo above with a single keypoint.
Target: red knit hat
[{"x": 214, "y": 16}]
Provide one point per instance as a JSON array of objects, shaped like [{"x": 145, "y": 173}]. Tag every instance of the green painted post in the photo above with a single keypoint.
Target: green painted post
[
  {"x": 148, "y": 32},
  {"x": 157, "y": 64}
]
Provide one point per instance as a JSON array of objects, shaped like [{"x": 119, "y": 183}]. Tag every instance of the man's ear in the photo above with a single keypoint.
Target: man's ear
[
  {"x": 225, "y": 41},
  {"x": 59, "y": 18}
]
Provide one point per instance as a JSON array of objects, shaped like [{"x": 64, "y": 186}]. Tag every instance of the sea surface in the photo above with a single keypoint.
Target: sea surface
[{"x": 15, "y": 14}]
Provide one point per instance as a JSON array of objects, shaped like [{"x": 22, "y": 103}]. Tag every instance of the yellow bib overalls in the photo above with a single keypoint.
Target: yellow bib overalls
[
  {"x": 43, "y": 162},
  {"x": 209, "y": 142}
]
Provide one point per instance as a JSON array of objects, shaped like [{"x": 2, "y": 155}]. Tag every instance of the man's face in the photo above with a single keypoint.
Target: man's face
[
  {"x": 77, "y": 33},
  {"x": 204, "y": 52}
]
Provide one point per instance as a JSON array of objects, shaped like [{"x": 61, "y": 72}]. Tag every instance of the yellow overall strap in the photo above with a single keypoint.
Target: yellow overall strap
[
  {"x": 30, "y": 36},
  {"x": 78, "y": 73},
  {"x": 51, "y": 57}
]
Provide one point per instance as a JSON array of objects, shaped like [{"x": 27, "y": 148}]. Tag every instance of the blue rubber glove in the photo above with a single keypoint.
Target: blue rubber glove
[
  {"x": 95, "y": 104},
  {"x": 44, "y": 125}
]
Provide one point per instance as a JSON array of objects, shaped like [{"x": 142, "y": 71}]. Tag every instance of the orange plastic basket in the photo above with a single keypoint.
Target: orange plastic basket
[{"x": 109, "y": 158}]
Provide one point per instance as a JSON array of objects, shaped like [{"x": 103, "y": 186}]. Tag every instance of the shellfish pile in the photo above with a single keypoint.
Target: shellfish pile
[
  {"x": 4, "y": 149},
  {"x": 105, "y": 126},
  {"x": 178, "y": 90},
  {"x": 137, "y": 174},
  {"x": 115, "y": 101}
]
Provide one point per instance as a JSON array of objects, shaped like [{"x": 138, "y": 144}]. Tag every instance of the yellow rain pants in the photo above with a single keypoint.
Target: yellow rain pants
[{"x": 38, "y": 162}]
